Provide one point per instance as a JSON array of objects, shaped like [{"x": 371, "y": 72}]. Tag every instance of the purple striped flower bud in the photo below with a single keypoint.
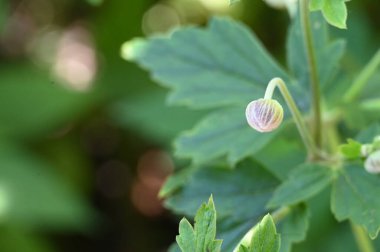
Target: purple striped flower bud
[
  {"x": 372, "y": 163},
  {"x": 264, "y": 115}
]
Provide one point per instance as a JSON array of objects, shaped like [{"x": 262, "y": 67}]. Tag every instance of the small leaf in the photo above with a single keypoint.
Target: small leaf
[
  {"x": 334, "y": 11},
  {"x": 355, "y": 196},
  {"x": 186, "y": 238},
  {"x": 304, "y": 182},
  {"x": 202, "y": 237},
  {"x": 265, "y": 237},
  {"x": 241, "y": 195},
  {"x": 243, "y": 248},
  {"x": 292, "y": 228},
  {"x": 352, "y": 149}
]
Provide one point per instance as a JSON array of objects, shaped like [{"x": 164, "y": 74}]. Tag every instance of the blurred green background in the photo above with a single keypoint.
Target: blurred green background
[{"x": 85, "y": 137}]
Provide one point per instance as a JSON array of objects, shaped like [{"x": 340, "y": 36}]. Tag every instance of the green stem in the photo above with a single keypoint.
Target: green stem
[
  {"x": 362, "y": 78},
  {"x": 313, "y": 76},
  {"x": 305, "y": 135},
  {"x": 281, "y": 213},
  {"x": 362, "y": 239}
]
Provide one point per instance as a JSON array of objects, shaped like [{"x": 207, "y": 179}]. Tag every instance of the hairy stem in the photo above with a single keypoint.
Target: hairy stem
[
  {"x": 362, "y": 239},
  {"x": 363, "y": 77},
  {"x": 297, "y": 116},
  {"x": 313, "y": 76}
]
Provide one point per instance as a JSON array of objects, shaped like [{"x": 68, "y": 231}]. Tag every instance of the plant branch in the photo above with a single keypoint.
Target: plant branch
[
  {"x": 362, "y": 79},
  {"x": 362, "y": 239},
  {"x": 313, "y": 76},
  {"x": 297, "y": 116}
]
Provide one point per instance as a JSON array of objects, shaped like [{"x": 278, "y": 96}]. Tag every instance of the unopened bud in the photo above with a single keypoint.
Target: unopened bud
[
  {"x": 264, "y": 115},
  {"x": 372, "y": 163}
]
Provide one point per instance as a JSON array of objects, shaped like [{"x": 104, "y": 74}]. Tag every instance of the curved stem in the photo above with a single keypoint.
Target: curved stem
[
  {"x": 305, "y": 135},
  {"x": 362, "y": 239},
  {"x": 362, "y": 79},
  {"x": 312, "y": 64}
]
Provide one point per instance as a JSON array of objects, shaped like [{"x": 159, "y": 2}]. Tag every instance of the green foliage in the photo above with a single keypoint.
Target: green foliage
[
  {"x": 202, "y": 237},
  {"x": 221, "y": 68},
  {"x": 334, "y": 11},
  {"x": 351, "y": 150},
  {"x": 328, "y": 53},
  {"x": 241, "y": 195},
  {"x": 264, "y": 238},
  {"x": 355, "y": 197},
  {"x": 293, "y": 227},
  {"x": 304, "y": 182},
  {"x": 207, "y": 140},
  {"x": 201, "y": 75}
]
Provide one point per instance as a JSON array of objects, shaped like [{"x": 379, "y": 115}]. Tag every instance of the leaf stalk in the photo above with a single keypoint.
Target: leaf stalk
[
  {"x": 362, "y": 239},
  {"x": 297, "y": 116}
]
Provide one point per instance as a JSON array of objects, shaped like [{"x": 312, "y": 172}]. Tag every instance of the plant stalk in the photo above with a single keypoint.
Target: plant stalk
[
  {"x": 362, "y": 239},
  {"x": 297, "y": 116},
  {"x": 362, "y": 79},
  {"x": 313, "y": 75}
]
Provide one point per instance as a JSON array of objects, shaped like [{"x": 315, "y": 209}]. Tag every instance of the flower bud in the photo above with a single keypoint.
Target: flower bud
[
  {"x": 264, "y": 115},
  {"x": 366, "y": 149},
  {"x": 372, "y": 163}
]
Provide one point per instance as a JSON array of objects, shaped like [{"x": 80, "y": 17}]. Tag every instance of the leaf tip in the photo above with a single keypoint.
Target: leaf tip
[{"x": 131, "y": 49}]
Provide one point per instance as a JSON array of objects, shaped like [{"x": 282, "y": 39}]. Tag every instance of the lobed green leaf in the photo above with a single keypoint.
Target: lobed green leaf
[
  {"x": 222, "y": 133},
  {"x": 352, "y": 149},
  {"x": 265, "y": 237},
  {"x": 221, "y": 65},
  {"x": 355, "y": 197},
  {"x": 304, "y": 182},
  {"x": 202, "y": 237},
  {"x": 334, "y": 11},
  {"x": 241, "y": 195}
]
